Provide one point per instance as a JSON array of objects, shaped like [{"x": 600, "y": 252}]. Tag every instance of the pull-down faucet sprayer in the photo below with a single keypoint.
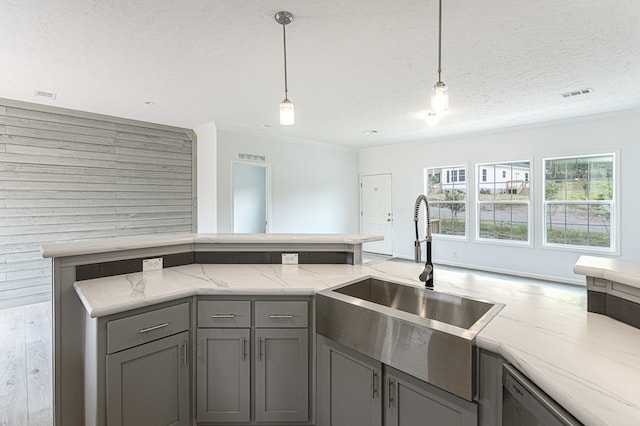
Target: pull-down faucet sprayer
[{"x": 427, "y": 274}]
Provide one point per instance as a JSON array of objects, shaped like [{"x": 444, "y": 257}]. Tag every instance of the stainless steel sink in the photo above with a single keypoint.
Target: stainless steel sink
[
  {"x": 425, "y": 333},
  {"x": 447, "y": 308}
]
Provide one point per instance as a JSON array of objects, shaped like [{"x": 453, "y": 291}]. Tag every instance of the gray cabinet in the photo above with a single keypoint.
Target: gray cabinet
[
  {"x": 137, "y": 368},
  {"x": 282, "y": 375},
  {"x": 489, "y": 388},
  {"x": 223, "y": 379},
  {"x": 352, "y": 392},
  {"x": 253, "y": 361},
  {"x": 148, "y": 385},
  {"x": 411, "y": 402},
  {"x": 349, "y": 387}
]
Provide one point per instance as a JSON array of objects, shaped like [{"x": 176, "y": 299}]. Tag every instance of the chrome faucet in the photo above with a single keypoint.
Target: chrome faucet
[{"x": 427, "y": 274}]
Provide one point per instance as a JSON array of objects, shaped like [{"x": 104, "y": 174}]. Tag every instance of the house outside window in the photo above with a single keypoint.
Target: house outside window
[
  {"x": 447, "y": 200},
  {"x": 579, "y": 202},
  {"x": 484, "y": 175},
  {"x": 503, "y": 211}
]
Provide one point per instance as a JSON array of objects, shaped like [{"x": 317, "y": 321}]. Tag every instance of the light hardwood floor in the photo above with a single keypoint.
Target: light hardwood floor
[{"x": 25, "y": 366}]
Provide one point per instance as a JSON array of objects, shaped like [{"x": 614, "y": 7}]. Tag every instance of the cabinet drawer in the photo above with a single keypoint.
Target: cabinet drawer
[
  {"x": 142, "y": 328},
  {"x": 282, "y": 314},
  {"x": 224, "y": 313}
]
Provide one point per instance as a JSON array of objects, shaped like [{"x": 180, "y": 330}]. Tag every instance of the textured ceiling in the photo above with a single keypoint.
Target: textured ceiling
[{"x": 354, "y": 65}]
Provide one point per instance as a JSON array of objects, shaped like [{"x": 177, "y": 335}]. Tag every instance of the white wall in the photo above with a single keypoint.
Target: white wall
[
  {"x": 314, "y": 187},
  {"x": 207, "y": 206},
  {"x": 614, "y": 132}
]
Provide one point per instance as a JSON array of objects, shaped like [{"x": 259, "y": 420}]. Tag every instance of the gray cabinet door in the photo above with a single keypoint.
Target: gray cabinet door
[
  {"x": 411, "y": 402},
  {"x": 223, "y": 379},
  {"x": 349, "y": 388},
  {"x": 282, "y": 375},
  {"x": 148, "y": 385}
]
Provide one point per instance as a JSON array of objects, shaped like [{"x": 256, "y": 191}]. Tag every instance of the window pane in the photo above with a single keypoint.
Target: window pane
[
  {"x": 450, "y": 218},
  {"x": 584, "y": 178},
  {"x": 504, "y": 221},
  {"x": 579, "y": 224},
  {"x": 503, "y": 201},
  {"x": 446, "y": 191}
]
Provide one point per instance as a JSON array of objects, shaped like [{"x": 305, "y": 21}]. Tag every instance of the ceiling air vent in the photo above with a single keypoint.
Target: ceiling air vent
[
  {"x": 576, "y": 93},
  {"x": 45, "y": 95},
  {"x": 251, "y": 157}
]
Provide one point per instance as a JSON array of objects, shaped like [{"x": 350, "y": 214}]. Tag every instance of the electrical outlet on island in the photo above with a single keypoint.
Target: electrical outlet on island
[
  {"x": 151, "y": 264},
  {"x": 289, "y": 258}
]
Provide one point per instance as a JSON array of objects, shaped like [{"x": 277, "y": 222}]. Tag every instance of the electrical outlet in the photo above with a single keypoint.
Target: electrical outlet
[
  {"x": 289, "y": 258},
  {"x": 152, "y": 264}
]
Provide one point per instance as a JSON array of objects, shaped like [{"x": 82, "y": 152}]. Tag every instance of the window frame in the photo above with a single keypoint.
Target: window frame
[
  {"x": 482, "y": 167},
  {"x": 425, "y": 184},
  {"x": 614, "y": 203}
]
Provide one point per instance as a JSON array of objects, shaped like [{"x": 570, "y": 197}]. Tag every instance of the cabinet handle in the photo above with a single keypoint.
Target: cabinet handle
[
  {"x": 259, "y": 349},
  {"x": 185, "y": 352},
  {"x": 390, "y": 384},
  {"x": 217, "y": 316},
  {"x": 244, "y": 348},
  {"x": 279, "y": 316},
  {"x": 374, "y": 390},
  {"x": 155, "y": 327}
]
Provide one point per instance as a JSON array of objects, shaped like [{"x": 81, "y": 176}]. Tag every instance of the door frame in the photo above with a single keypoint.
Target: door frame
[{"x": 267, "y": 167}]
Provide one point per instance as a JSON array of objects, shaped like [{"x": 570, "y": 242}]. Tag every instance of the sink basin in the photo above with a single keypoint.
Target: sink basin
[
  {"x": 425, "y": 333},
  {"x": 447, "y": 308}
]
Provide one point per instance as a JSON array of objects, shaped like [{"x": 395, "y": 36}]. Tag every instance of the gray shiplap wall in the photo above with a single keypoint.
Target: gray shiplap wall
[{"x": 68, "y": 175}]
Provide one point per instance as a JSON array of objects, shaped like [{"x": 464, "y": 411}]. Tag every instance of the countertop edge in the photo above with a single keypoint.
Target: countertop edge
[
  {"x": 83, "y": 247},
  {"x": 622, "y": 271}
]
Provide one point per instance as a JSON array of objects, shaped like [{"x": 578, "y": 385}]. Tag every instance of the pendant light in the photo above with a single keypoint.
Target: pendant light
[
  {"x": 440, "y": 97},
  {"x": 286, "y": 107}
]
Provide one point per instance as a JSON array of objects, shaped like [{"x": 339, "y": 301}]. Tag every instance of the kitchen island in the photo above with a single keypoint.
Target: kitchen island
[
  {"x": 589, "y": 363},
  {"x": 82, "y": 260}
]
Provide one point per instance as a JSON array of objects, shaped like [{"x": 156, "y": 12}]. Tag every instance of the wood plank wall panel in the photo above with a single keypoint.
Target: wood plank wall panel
[{"x": 67, "y": 175}]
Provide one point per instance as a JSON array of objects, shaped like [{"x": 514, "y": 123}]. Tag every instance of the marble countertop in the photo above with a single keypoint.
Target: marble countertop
[
  {"x": 621, "y": 271},
  {"x": 587, "y": 362},
  {"x": 103, "y": 245}
]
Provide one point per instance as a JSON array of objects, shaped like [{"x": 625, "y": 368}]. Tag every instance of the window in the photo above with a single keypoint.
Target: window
[
  {"x": 503, "y": 211},
  {"x": 579, "y": 207},
  {"x": 447, "y": 200}
]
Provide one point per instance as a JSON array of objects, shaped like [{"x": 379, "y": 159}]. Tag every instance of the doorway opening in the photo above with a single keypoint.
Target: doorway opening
[{"x": 250, "y": 197}]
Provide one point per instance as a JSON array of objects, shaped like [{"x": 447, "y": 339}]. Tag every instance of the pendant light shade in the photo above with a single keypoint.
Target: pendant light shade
[
  {"x": 287, "y": 116},
  {"x": 440, "y": 96}
]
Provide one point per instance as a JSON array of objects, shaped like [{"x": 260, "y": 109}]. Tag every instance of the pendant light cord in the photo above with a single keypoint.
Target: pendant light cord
[
  {"x": 439, "y": 42},
  {"x": 284, "y": 42}
]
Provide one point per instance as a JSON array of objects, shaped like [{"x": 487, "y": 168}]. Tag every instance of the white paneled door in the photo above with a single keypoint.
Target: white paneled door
[{"x": 376, "y": 211}]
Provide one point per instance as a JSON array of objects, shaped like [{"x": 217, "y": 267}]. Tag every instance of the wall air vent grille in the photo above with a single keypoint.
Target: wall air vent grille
[
  {"x": 576, "y": 93},
  {"x": 251, "y": 157},
  {"x": 43, "y": 94}
]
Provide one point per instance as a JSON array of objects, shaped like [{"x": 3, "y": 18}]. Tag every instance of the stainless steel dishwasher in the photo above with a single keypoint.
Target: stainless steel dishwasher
[{"x": 524, "y": 404}]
